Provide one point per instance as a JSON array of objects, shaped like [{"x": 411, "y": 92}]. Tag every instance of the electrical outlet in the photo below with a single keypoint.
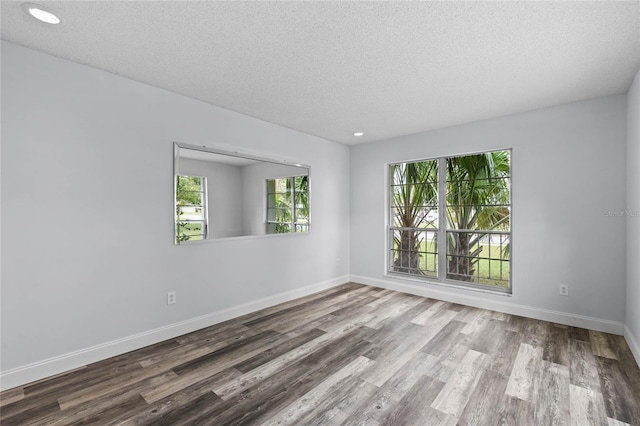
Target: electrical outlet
[
  {"x": 564, "y": 290},
  {"x": 171, "y": 298}
]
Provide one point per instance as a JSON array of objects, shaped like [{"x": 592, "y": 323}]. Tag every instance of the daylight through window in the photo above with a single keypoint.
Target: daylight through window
[
  {"x": 450, "y": 219},
  {"x": 288, "y": 205},
  {"x": 191, "y": 206}
]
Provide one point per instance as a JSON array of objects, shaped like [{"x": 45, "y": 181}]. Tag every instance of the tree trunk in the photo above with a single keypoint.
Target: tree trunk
[
  {"x": 408, "y": 258},
  {"x": 461, "y": 264}
]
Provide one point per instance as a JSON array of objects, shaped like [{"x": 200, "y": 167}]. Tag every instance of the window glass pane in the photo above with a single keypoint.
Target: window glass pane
[
  {"x": 279, "y": 214},
  {"x": 414, "y": 252},
  {"x": 479, "y": 199},
  {"x": 191, "y": 230},
  {"x": 278, "y": 228},
  {"x": 302, "y": 183},
  {"x": 281, "y": 186},
  {"x": 426, "y": 218},
  {"x": 189, "y": 190},
  {"x": 288, "y": 205},
  {"x": 479, "y": 191},
  {"x": 191, "y": 216},
  {"x": 190, "y": 212},
  {"x": 475, "y": 203},
  {"x": 479, "y": 258},
  {"x": 302, "y": 202},
  {"x": 302, "y": 228},
  {"x": 414, "y": 193},
  {"x": 413, "y": 210}
]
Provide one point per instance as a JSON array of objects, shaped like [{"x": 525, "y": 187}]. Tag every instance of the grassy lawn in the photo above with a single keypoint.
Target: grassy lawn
[{"x": 490, "y": 270}]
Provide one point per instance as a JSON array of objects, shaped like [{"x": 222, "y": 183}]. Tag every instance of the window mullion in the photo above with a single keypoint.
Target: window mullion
[
  {"x": 205, "y": 208},
  {"x": 442, "y": 218}
]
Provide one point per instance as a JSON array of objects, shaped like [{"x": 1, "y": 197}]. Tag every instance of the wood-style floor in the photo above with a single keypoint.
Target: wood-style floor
[{"x": 352, "y": 355}]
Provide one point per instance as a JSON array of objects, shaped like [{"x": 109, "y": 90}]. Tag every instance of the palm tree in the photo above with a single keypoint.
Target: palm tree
[
  {"x": 290, "y": 199},
  {"x": 414, "y": 195},
  {"x": 478, "y": 196},
  {"x": 301, "y": 199}
]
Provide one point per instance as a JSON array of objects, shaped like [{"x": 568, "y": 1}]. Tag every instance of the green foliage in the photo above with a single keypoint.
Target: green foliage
[
  {"x": 189, "y": 193},
  {"x": 478, "y": 191},
  {"x": 287, "y": 196},
  {"x": 415, "y": 193},
  {"x": 302, "y": 198},
  {"x": 478, "y": 199},
  {"x": 491, "y": 270},
  {"x": 189, "y": 190}
]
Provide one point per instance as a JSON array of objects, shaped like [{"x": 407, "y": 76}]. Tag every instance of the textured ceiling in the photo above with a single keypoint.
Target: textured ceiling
[{"x": 333, "y": 68}]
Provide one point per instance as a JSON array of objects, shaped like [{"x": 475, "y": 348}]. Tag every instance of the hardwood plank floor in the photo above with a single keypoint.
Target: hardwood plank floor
[{"x": 351, "y": 355}]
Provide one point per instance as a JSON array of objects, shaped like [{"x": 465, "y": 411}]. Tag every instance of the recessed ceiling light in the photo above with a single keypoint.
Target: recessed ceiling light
[
  {"x": 358, "y": 134},
  {"x": 41, "y": 13}
]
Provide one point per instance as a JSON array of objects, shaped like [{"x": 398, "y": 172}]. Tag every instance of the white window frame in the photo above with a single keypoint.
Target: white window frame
[
  {"x": 293, "y": 224},
  {"x": 204, "y": 206}
]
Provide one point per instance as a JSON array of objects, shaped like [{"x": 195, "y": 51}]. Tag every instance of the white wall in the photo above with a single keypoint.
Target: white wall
[
  {"x": 632, "y": 332},
  {"x": 224, "y": 189},
  {"x": 78, "y": 145},
  {"x": 568, "y": 169}
]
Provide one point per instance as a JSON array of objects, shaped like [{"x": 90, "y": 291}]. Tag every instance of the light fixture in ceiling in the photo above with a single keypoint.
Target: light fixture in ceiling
[
  {"x": 41, "y": 13},
  {"x": 358, "y": 134}
]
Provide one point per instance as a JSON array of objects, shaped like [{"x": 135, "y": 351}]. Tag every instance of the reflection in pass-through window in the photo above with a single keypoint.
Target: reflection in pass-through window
[
  {"x": 191, "y": 215},
  {"x": 288, "y": 205}
]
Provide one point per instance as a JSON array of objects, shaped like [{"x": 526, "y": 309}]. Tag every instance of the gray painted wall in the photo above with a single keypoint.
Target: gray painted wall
[
  {"x": 568, "y": 168},
  {"x": 633, "y": 220},
  {"x": 78, "y": 146}
]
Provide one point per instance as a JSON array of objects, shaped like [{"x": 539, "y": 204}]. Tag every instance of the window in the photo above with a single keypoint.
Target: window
[
  {"x": 288, "y": 205},
  {"x": 191, "y": 208},
  {"x": 414, "y": 218},
  {"x": 450, "y": 219}
]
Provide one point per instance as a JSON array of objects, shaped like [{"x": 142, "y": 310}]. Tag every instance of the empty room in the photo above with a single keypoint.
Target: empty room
[{"x": 320, "y": 213}]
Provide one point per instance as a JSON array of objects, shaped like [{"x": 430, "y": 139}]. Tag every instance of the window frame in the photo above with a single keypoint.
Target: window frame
[
  {"x": 293, "y": 224},
  {"x": 442, "y": 227},
  {"x": 205, "y": 210}
]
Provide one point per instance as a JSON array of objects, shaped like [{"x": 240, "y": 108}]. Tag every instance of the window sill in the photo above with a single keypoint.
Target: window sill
[
  {"x": 239, "y": 238},
  {"x": 450, "y": 284}
]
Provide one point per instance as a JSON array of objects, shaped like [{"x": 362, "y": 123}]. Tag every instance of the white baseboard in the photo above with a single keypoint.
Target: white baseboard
[
  {"x": 49, "y": 367},
  {"x": 77, "y": 359},
  {"x": 505, "y": 306},
  {"x": 633, "y": 344}
]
